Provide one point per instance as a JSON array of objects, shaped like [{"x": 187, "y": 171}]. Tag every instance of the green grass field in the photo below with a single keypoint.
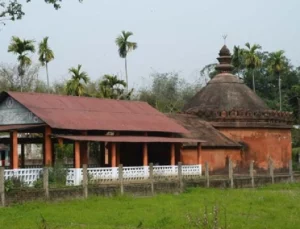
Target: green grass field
[{"x": 276, "y": 206}]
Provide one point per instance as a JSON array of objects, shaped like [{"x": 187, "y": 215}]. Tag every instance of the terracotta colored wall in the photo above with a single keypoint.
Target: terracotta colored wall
[
  {"x": 263, "y": 144},
  {"x": 217, "y": 158}
]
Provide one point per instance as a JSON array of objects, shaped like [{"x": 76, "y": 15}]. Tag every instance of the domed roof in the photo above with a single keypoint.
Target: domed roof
[{"x": 225, "y": 91}]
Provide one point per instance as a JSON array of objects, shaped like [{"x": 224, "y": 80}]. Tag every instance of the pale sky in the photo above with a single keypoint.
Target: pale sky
[{"x": 172, "y": 35}]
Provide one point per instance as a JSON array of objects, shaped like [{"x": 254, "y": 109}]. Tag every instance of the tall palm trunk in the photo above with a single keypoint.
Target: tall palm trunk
[
  {"x": 279, "y": 86},
  {"x": 126, "y": 73},
  {"x": 253, "y": 81},
  {"x": 48, "y": 85},
  {"x": 21, "y": 74}
]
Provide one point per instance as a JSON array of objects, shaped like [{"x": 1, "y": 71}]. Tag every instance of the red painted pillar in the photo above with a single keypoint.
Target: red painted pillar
[
  {"x": 113, "y": 155},
  {"x": 145, "y": 154},
  {"x": 76, "y": 155},
  {"x": 199, "y": 161},
  {"x": 47, "y": 146},
  {"x": 172, "y": 154},
  {"x": 14, "y": 157}
]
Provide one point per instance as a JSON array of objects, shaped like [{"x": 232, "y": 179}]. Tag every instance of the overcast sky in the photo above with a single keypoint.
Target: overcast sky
[{"x": 172, "y": 35}]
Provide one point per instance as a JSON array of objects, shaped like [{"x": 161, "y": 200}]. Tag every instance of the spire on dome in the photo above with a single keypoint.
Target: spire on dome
[{"x": 224, "y": 60}]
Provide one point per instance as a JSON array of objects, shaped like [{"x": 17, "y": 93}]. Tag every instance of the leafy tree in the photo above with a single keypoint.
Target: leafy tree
[
  {"x": 76, "y": 85},
  {"x": 277, "y": 64},
  {"x": 59, "y": 88},
  {"x": 125, "y": 47},
  {"x": 208, "y": 72},
  {"x": 112, "y": 87},
  {"x": 22, "y": 48},
  {"x": 237, "y": 59},
  {"x": 168, "y": 92},
  {"x": 252, "y": 60},
  {"x": 13, "y": 9},
  {"x": 10, "y": 79},
  {"x": 45, "y": 56}
]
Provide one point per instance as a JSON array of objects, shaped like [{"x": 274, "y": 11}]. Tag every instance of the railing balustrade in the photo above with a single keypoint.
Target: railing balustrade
[{"x": 109, "y": 174}]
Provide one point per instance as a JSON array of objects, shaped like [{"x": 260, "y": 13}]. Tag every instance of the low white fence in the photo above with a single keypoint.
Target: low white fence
[
  {"x": 109, "y": 174},
  {"x": 27, "y": 176}
]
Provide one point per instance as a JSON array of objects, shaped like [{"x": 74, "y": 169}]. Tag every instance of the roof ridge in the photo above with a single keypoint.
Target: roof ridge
[{"x": 73, "y": 96}]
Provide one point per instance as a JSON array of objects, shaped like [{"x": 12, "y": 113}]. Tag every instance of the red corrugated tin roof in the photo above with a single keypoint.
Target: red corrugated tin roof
[
  {"x": 19, "y": 127},
  {"x": 127, "y": 139},
  {"x": 85, "y": 113}
]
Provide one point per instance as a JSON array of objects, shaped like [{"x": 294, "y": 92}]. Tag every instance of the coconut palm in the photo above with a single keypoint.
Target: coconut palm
[
  {"x": 237, "y": 59},
  {"x": 22, "y": 48},
  {"x": 276, "y": 66},
  {"x": 111, "y": 87},
  {"x": 252, "y": 60},
  {"x": 125, "y": 47},
  {"x": 45, "y": 56},
  {"x": 76, "y": 85}
]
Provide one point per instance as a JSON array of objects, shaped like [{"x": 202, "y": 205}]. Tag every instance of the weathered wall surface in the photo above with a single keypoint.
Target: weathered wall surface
[
  {"x": 217, "y": 158},
  {"x": 262, "y": 144}
]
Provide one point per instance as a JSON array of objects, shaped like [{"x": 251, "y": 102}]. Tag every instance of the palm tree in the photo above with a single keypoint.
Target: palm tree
[
  {"x": 276, "y": 66},
  {"x": 22, "y": 48},
  {"x": 252, "y": 60},
  {"x": 45, "y": 56},
  {"x": 111, "y": 87},
  {"x": 125, "y": 47},
  {"x": 76, "y": 85},
  {"x": 237, "y": 59}
]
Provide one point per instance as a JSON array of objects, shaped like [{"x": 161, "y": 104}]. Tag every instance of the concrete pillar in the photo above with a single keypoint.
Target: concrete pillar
[
  {"x": 113, "y": 155},
  {"x": 2, "y": 187},
  {"x": 151, "y": 177},
  {"x": 76, "y": 154},
  {"x": 85, "y": 181},
  {"x": 22, "y": 155},
  {"x": 145, "y": 154},
  {"x": 47, "y": 146},
  {"x": 199, "y": 161},
  {"x": 46, "y": 182},
  {"x": 14, "y": 157},
  {"x": 172, "y": 153},
  {"x": 121, "y": 179}
]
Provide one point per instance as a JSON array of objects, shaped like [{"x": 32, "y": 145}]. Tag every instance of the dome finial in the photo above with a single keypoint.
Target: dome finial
[
  {"x": 224, "y": 37},
  {"x": 224, "y": 58}
]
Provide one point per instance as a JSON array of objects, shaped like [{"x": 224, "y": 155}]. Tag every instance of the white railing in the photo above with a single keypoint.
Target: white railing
[
  {"x": 109, "y": 174},
  {"x": 27, "y": 176},
  {"x": 135, "y": 173},
  {"x": 191, "y": 171},
  {"x": 165, "y": 172}
]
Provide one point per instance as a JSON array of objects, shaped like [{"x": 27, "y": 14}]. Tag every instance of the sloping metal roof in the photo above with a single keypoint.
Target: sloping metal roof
[
  {"x": 133, "y": 139},
  {"x": 84, "y": 113},
  {"x": 19, "y": 127},
  {"x": 201, "y": 129}
]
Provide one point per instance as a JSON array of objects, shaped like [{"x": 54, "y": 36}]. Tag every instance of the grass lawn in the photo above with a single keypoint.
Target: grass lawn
[{"x": 276, "y": 206}]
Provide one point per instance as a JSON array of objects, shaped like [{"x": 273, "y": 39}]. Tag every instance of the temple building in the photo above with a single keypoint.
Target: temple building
[
  {"x": 235, "y": 123},
  {"x": 224, "y": 120}
]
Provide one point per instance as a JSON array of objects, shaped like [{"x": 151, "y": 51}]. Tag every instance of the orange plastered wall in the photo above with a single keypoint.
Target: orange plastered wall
[
  {"x": 217, "y": 158},
  {"x": 262, "y": 144}
]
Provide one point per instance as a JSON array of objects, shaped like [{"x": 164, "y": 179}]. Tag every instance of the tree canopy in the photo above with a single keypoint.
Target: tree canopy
[{"x": 13, "y": 9}]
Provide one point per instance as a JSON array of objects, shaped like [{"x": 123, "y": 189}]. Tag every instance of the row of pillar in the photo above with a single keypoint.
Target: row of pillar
[
  {"x": 115, "y": 156},
  {"x": 80, "y": 151}
]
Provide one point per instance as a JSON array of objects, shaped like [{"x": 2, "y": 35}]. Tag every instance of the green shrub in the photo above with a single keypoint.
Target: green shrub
[
  {"x": 58, "y": 174},
  {"x": 14, "y": 183}
]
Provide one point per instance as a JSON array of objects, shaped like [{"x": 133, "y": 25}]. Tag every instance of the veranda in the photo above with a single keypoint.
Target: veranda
[{"x": 134, "y": 152}]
